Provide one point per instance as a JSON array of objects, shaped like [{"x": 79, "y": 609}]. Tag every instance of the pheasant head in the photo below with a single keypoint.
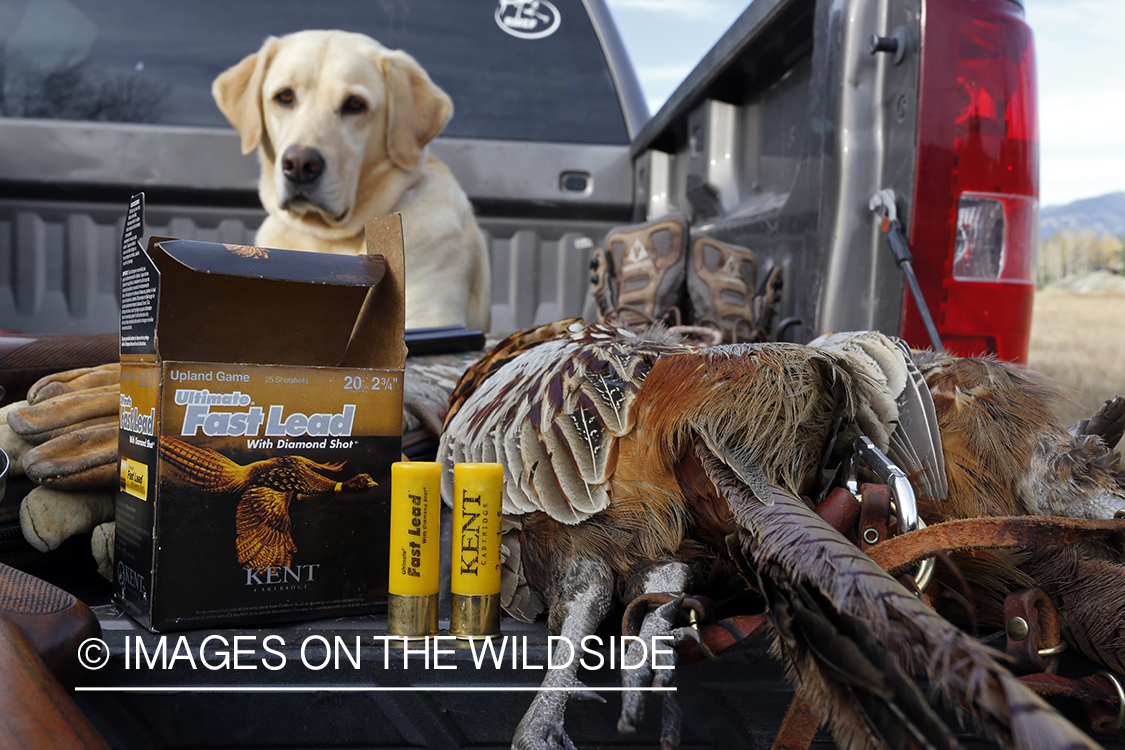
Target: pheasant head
[
  {"x": 358, "y": 483},
  {"x": 1076, "y": 475}
]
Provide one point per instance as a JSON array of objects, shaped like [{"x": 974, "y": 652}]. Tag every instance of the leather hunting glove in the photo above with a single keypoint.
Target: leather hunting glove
[
  {"x": 64, "y": 437},
  {"x": 71, "y": 420}
]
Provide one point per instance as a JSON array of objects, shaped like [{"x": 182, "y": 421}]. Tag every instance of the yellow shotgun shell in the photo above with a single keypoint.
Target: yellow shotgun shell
[
  {"x": 412, "y": 589},
  {"x": 475, "y": 585}
]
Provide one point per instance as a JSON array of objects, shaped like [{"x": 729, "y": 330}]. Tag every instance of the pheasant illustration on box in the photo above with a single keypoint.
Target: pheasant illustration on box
[{"x": 265, "y": 489}]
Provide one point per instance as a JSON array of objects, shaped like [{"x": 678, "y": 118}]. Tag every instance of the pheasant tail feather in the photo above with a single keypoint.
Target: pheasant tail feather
[
  {"x": 810, "y": 562},
  {"x": 203, "y": 467}
]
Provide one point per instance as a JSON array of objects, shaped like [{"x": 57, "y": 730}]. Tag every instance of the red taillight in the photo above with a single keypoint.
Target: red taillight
[{"x": 974, "y": 220}]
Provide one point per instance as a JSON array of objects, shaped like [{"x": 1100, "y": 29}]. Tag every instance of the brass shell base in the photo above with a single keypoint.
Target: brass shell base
[
  {"x": 412, "y": 616},
  {"x": 474, "y": 616}
]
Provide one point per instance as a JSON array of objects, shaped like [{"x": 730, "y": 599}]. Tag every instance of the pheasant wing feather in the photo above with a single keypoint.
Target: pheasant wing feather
[
  {"x": 917, "y": 440},
  {"x": 500, "y": 355},
  {"x": 552, "y": 416},
  {"x": 811, "y": 566},
  {"x": 894, "y": 406},
  {"x": 1108, "y": 422},
  {"x": 263, "y": 528}
]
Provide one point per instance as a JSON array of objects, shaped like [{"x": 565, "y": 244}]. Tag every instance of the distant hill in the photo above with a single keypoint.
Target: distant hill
[{"x": 1104, "y": 214}]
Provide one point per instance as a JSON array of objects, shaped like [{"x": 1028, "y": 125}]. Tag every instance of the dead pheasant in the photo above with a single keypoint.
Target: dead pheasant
[
  {"x": 637, "y": 466},
  {"x": 265, "y": 488},
  {"x": 1008, "y": 452},
  {"x": 1008, "y": 449}
]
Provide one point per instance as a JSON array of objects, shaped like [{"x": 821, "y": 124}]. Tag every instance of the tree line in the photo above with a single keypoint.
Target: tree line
[{"x": 1073, "y": 252}]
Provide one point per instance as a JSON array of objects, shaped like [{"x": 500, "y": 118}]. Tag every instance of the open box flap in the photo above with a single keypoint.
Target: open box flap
[
  {"x": 213, "y": 317},
  {"x": 238, "y": 314},
  {"x": 377, "y": 337},
  {"x": 282, "y": 265},
  {"x": 208, "y": 302}
]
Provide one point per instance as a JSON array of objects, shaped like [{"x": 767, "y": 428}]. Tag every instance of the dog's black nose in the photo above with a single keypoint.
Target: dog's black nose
[{"x": 301, "y": 164}]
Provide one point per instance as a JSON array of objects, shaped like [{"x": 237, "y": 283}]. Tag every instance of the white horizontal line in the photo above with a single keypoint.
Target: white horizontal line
[{"x": 346, "y": 689}]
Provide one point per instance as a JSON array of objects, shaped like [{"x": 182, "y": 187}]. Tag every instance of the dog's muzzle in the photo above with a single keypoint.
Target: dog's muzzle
[
  {"x": 302, "y": 164},
  {"x": 301, "y": 190}
]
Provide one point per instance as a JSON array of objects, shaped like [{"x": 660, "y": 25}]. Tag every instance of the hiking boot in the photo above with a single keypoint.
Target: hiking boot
[
  {"x": 638, "y": 279},
  {"x": 721, "y": 280},
  {"x": 721, "y": 284}
]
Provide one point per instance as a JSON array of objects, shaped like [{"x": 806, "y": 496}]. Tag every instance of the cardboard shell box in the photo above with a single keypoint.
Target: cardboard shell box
[{"x": 261, "y": 410}]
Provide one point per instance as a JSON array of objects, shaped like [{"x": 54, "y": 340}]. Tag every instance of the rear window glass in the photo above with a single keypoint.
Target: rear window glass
[{"x": 516, "y": 70}]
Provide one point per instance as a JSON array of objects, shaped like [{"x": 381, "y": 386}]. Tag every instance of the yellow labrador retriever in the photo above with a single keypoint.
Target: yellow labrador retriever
[{"x": 341, "y": 125}]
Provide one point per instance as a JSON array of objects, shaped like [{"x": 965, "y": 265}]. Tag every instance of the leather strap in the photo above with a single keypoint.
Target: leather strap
[
  {"x": 899, "y": 553},
  {"x": 840, "y": 509},
  {"x": 800, "y": 724},
  {"x": 874, "y": 516},
  {"x": 717, "y": 636},
  {"x": 1038, "y": 613},
  {"x": 1098, "y": 696},
  {"x": 721, "y": 636}
]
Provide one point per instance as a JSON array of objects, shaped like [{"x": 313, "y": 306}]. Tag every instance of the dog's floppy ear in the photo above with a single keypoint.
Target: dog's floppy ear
[
  {"x": 417, "y": 109},
  {"x": 238, "y": 92}
]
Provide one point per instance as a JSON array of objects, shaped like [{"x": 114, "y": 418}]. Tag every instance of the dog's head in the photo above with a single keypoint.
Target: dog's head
[{"x": 340, "y": 123}]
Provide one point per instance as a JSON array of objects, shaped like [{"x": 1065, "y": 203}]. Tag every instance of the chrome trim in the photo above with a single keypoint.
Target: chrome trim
[
  {"x": 634, "y": 106},
  {"x": 79, "y": 152}
]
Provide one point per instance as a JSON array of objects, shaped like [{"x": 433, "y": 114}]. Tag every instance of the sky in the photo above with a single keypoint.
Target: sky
[{"x": 1080, "y": 49}]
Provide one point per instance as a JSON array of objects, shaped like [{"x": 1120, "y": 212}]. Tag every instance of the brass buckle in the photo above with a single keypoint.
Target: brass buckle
[{"x": 693, "y": 621}]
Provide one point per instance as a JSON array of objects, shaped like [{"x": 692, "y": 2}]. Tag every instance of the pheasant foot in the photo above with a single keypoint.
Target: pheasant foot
[
  {"x": 651, "y": 660},
  {"x": 583, "y": 604}
]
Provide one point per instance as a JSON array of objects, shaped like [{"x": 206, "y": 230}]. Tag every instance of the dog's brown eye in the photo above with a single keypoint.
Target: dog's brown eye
[
  {"x": 353, "y": 105},
  {"x": 284, "y": 97}
]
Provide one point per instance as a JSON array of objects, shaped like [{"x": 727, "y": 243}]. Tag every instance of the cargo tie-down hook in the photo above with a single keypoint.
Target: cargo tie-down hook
[{"x": 883, "y": 203}]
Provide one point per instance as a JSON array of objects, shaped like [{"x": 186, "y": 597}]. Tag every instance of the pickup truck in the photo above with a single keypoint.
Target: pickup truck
[{"x": 778, "y": 140}]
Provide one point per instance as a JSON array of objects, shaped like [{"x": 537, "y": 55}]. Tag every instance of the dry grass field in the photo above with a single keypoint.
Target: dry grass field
[{"x": 1079, "y": 340}]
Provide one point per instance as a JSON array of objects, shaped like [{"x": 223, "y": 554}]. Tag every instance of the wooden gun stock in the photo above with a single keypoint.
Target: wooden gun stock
[
  {"x": 41, "y": 628},
  {"x": 54, "y": 621},
  {"x": 35, "y": 710}
]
